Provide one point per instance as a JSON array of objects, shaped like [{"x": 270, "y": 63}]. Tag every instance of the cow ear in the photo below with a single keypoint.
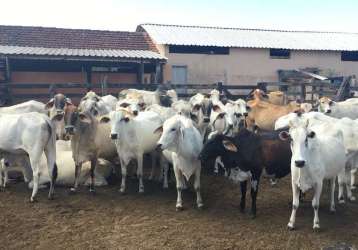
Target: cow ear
[
  {"x": 104, "y": 119},
  {"x": 158, "y": 130},
  {"x": 49, "y": 104},
  {"x": 284, "y": 135},
  {"x": 84, "y": 118},
  {"x": 216, "y": 108},
  {"x": 229, "y": 146},
  {"x": 311, "y": 134}
]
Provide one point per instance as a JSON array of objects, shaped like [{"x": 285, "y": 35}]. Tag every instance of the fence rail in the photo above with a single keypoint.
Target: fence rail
[{"x": 18, "y": 92}]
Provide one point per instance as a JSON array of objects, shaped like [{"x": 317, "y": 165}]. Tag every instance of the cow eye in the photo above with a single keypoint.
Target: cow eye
[
  {"x": 124, "y": 105},
  {"x": 237, "y": 114},
  {"x": 197, "y": 107},
  {"x": 173, "y": 129}
]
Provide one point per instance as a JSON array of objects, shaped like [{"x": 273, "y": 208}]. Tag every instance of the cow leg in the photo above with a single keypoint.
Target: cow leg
[
  {"x": 164, "y": 164},
  {"x": 36, "y": 176},
  {"x": 315, "y": 204},
  {"x": 153, "y": 157},
  {"x": 295, "y": 204},
  {"x": 50, "y": 152},
  {"x": 78, "y": 168},
  {"x": 124, "y": 176},
  {"x": 140, "y": 172},
  {"x": 353, "y": 178},
  {"x": 92, "y": 174},
  {"x": 243, "y": 187},
  {"x": 199, "y": 200},
  {"x": 333, "y": 186},
  {"x": 178, "y": 178},
  {"x": 254, "y": 190},
  {"x": 341, "y": 183}
]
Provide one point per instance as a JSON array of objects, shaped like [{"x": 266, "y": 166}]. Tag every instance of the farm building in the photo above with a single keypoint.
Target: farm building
[
  {"x": 247, "y": 56},
  {"x": 34, "y": 58}
]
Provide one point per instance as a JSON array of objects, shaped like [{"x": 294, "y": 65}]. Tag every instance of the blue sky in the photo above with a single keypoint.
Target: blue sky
[{"x": 322, "y": 15}]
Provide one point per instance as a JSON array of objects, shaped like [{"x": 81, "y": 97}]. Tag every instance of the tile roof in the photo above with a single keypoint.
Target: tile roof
[
  {"x": 75, "y": 42},
  {"x": 250, "y": 38}
]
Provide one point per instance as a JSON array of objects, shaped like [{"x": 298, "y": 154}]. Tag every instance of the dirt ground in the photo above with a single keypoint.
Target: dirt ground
[{"x": 109, "y": 220}]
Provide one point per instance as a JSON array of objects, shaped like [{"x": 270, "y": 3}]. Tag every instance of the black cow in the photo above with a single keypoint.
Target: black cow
[{"x": 250, "y": 152}]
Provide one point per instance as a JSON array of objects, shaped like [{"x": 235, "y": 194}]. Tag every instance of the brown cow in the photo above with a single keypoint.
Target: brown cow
[{"x": 264, "y": 114}]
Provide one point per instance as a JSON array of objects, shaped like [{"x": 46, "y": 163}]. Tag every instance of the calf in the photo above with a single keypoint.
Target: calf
[
  {"x": 133, "y": 137},
  {"x": 34, "y": 134},
  {"x": 315, "y": 157},
  {"x": 182, "y": 143}
]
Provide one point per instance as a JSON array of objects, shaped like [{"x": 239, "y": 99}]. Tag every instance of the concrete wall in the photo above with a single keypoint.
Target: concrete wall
[{"x": 249, "y": 66}]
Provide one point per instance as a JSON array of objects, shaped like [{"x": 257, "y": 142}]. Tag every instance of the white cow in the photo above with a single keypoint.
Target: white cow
[
  {"x": 133, "y": 137},
  {"x": 93, "y": 103},
  {"x": 182, "y": 144},
  {"x": 110, "y": 101},
  {"x": 347, "y": 108},
  {"x": 237, "y": 111},
  {"x": 348, "y": 127},
  {"x": 34, "y": 134},
  {"x": 315, "y": 157},
  {"x": 66, "y": 167},
  {"x": 134, "y": 105},
  {"x": 197, "y": 103}
]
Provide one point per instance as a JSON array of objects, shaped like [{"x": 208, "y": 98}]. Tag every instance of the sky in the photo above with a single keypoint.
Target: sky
[{"x": 317, "y": 15}]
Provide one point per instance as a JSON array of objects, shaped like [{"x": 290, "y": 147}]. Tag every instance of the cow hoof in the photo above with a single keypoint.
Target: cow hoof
[
  {"x": 352, "y": 198},
  {"x": 73, "y": 190},
  {"x": 341, "y": 201},
  {"x": 165, "y": 186},
  {"x": 51, "y": 197},
  {"x": 33, "y": 200},
  {"x": 353, "y": 187},
  {"x": 201, "y": 206},
  {"x": 92, "y": 191},
  {"x": 316, "y": 228},
  {"x": 332, "y": 210},
  {"x": 290, "y": 228},
  {"x": 179, "y": 208}
]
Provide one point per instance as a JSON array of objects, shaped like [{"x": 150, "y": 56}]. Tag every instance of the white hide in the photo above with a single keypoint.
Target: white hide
[
  {"x": 31, "y": 133},
  {"x": 110, "y": 101},
  {"x": 347, "y": 108},
  {"x": 135, "y": 137},
  {"x": 25, "y": 107},
  {"x": 323, "y": 157},
  {"x": 326, "y": 125},
  {"x": 182, "y": 144}
]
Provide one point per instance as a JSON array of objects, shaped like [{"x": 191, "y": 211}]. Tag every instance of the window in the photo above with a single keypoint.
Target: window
[
  {"x": 280, "y": 53},
  {"x": 349, "y": 56},
  {"x": 209, "y": 50}
]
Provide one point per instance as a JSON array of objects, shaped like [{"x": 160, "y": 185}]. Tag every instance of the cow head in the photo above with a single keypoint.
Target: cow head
[
  {"x": 220, "y": 121},
  {"x": 325, "y": 105},
  {"x": 75, "y": 118},
  {"x": 117, "y": 119},
  {"x": 132, "y": 105},
  {"x": 172, "y": 133},
  {"x": 56, "y": 110},
  {"x": 302, "y": 141},
  {"x": 216, "y": 146}
]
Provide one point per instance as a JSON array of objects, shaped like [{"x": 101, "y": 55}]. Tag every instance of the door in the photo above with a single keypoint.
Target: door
[{"x": 180, "y": 76}]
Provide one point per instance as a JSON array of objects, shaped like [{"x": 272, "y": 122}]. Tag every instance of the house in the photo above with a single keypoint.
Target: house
[
  {"x": 33, "y": 58},
  {"x": 201, "y": 55}
]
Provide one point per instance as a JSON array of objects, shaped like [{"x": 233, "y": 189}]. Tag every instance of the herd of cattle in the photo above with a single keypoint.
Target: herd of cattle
[{"x": 244, "y": 139}]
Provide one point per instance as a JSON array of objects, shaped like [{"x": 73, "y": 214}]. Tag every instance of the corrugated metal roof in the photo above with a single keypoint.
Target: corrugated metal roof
[
  {"x": 104, "y": 53},
  {"x": 250, "y": 38}
]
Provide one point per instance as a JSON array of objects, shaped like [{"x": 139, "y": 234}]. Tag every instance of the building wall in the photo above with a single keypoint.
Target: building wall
[{"x": 249, "y": 66}]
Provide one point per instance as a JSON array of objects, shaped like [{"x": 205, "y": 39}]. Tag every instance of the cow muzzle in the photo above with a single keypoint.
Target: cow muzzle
[
  {"x": 135, "y": 112},
  {"x": 206, "y": 119},
  {"x": 159, "y": 147},
  {"x": 300, "y": 164},
  {"x": 114, "y": 136},
  {"x": 70, "y": 130}
]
